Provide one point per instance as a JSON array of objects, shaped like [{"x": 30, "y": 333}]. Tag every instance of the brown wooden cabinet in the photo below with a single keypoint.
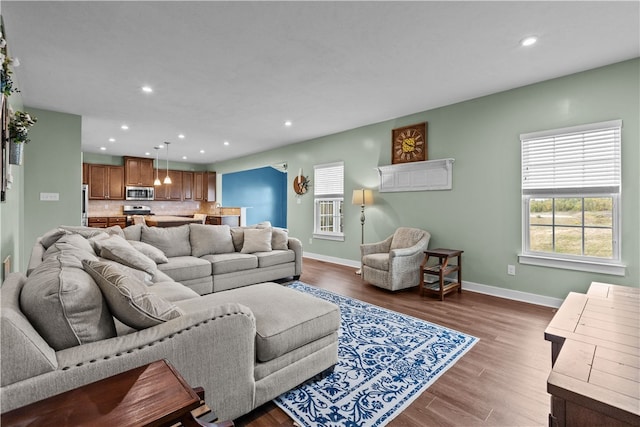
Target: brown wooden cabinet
[
  {"x": 171, "y": 191},
  {"x": 138, "y": 171},
  {"x": 198, "y": 185},
  {"x": 98, "y": 221},
  {"x": 210, "y": 192},
  {"x": 187, "y": 185},
  {"x": 117, "y": 220},
  {"x": 106, "y": 182},
  {"x": 85, "y": 173}
]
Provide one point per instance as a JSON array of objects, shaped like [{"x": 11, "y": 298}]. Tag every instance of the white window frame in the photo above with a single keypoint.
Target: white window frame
[
  {"x": 328, "y": 186},
  {"x": 550, "y": 180}
]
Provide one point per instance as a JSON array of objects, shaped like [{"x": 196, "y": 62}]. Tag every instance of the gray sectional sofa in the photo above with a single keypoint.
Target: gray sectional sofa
[{"x": 97, "y": 303}]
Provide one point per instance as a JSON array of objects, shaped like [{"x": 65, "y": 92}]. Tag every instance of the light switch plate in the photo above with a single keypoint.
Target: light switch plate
[{"x": 50, "y": 197}]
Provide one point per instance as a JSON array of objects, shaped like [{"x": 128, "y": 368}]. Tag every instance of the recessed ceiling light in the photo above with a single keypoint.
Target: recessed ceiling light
[
  {"x": 201, "y": 151},
  {"x": 147, "y": 153},
  {"x": 160, "y": 146},
  {"x": 181, "y": 136},
  {"x": 528, "y": 41},
  {"x": 288, "y": 123},
  {"x": 112, "y": 140},
  {"x": 124, "y": 127},
  {"x": 184, "y": 157},
  {"x": 226, "y": 143},
  {"x": 103, "y": 148},
  {"x": 147, "y": 89}
]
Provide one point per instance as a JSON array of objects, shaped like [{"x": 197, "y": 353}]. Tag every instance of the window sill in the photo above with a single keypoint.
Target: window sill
[
  {"x": 613, "y": 269},
  {"x": 335, "y": 237}
]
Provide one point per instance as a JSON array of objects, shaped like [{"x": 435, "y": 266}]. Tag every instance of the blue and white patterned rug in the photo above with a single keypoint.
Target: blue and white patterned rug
[{"x": 386, "y": 360}]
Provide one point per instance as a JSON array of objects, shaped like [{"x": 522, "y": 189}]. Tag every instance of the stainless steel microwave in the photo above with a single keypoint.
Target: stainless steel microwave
[{"x": 139, "y": 193}]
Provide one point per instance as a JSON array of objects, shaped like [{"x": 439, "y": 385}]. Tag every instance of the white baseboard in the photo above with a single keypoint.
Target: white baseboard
[{"x": 471, "y": 286}]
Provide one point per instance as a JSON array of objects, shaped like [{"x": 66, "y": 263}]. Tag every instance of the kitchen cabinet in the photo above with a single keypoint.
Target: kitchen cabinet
[
  {"x": 98, "y": 221},
  {"x": 204, "y": 186},
  {"x": 230, "y": 220},
  {"x": 138, "y": 171},
  {"x": 187, "y": 185},
  {"x": 117, "y": 220},
  {"x": 85, "y": 173},
  {"x": 171, "y": 191},
  {"x": 106, "y": 182}
]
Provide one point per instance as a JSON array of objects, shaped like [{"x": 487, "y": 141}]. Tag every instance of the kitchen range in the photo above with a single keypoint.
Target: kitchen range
[{"x": 130, "y": 210}]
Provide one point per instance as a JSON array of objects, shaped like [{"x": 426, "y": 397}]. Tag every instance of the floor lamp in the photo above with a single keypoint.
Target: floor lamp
[{"x": 362, "y": 197}]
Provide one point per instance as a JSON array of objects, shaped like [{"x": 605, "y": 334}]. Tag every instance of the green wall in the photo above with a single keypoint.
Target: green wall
[
  {"x": 53, "y": 164},
  {"x": 11, "y": 210},
  {"x": 482, "y": 214}
]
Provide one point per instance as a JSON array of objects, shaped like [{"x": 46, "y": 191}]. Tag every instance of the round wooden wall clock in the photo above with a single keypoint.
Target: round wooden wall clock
[{"x": 409, "y": 144}]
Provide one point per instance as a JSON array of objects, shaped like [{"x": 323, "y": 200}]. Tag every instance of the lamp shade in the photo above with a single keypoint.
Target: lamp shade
[{"x": 362, "y": 196}]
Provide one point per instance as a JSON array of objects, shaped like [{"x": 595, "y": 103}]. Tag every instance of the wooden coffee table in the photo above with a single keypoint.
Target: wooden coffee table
[{"x": 151, "y": 395}]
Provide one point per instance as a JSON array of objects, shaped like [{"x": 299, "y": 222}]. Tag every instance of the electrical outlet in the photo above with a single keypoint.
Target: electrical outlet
[
  {"x": 310, "y": 240},
  {"x": 511, "y": 270}
]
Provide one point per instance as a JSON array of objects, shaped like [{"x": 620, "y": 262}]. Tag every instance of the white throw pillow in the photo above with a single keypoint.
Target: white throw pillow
[
  {"x": 256, "y": 240},
  {"x": 129, "y": 299}
]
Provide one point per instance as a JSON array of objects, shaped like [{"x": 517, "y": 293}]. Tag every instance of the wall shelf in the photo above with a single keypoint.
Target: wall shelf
[{"x": 416, "y": 176}]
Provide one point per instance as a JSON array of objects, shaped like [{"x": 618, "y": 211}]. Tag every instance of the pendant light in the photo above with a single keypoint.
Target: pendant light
[
  {"x": 157, "y": 182},
  {"x": 167, "y": 180}
]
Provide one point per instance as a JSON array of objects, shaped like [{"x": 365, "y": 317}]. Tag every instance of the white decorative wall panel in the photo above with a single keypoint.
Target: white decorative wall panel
[{"x": 417, "y": 176}]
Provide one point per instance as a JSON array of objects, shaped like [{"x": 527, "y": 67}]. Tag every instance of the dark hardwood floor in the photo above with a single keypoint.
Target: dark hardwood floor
[{"x": 501, "y": 381}]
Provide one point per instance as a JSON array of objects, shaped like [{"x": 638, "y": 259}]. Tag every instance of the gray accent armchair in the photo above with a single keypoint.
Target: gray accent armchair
[{"x": 394, "y": 263}]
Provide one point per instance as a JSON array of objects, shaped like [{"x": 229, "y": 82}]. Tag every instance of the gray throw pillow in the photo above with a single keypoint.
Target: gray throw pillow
[
  {"x": 52, "y": 236},
  {"x": 279, "y": 239},
  {"x": 129, "y": 299},
  {"x": 117, "y": 249},
  {"x": 210, "y": 239},
  {"x": 173, "y": 241},
  {"x": 151, "y": 251},
  {"x": 237, "y": 236},
  {"x": 132, "y": 232},
  {"x": 69, "y": 242},
  {"x": 256, "y": 240},
  {"x": 65, "y": 305}
]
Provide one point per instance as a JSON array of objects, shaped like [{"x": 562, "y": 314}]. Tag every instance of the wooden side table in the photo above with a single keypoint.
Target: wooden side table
[
  {"x": 441, "y": 270},
  {"x": 151, "y": 395}
]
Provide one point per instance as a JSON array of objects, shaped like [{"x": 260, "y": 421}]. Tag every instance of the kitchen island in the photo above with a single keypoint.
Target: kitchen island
[{"x": 169, "y": 220}]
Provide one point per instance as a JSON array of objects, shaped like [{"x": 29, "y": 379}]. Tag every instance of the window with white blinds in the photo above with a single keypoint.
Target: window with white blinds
[
  {"x": 328, "y": 190},
  {"x": 571, "y": 191},
  {"x": 328, "y": 179},
  {"x": 583, "y": 159}
]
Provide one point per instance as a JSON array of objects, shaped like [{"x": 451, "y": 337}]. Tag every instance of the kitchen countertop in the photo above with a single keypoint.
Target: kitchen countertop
[{"x": 169, "y": 220}]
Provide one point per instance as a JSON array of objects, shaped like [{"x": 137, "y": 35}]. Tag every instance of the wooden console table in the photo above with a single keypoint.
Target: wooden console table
[
  {"x": 151, "y": 395},
  {"x": 595, "y": 354},
  {"x": 441, "y": 270}
]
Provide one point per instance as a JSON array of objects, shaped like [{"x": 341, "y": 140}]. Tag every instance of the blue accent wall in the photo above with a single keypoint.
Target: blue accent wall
[{"x": 263, "y": 191}]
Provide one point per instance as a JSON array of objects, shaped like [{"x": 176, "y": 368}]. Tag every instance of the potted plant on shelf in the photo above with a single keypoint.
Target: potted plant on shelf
[{"x": 19, "y": 125}]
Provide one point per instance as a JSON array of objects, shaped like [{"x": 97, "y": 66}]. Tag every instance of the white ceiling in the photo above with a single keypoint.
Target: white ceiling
[{"x": 235, "y": 71}]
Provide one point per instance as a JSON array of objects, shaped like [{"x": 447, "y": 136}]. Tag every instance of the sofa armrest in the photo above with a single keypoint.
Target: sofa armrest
[
  {"x": 377, "y": 247},
  {"x": 296, "y": 246},
  {"x": 35, "y": 259},
  {"x": 212, "y": 348}
]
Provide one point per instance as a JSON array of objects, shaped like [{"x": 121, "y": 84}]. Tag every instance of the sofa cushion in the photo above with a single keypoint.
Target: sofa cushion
[
  {"x": 129, "y": 299},
  {"x": 133, "y": 232},
  {"x": 230, "y": 263},
  {"x": 256, "y": 240},
  {"x": 267, "y": 259},
  {"x": 290, "y": 320},
  {"x": 52, "y": 236},
  {"x": 71, "y": 242},
  {"x": 65, "y": 305},
  {"x": 237, "y": 233},
  {"x": 173, "y": 291},
  {"x": 173, "y": 241},
  {"x": 377, "y": 261},
  {"x": 86, "y": 232},
  {"x": 210, "y": 239},
  {"x": 279, "y": 239},
  {"x": 151, "y": 251},
  {"x": 118, "y": 249},
  {"x": 405, "y": 237},
  {"x": 186, "y": 268}
]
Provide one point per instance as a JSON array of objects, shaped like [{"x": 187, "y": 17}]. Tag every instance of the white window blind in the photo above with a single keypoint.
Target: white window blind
[
  {"x": 328, "y": 180},
  {"x": 582, "y": 159}
]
